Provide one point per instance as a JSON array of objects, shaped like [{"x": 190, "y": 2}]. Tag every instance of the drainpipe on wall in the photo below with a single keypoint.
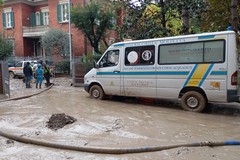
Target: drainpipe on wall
[{"x": 85, "y": 38}]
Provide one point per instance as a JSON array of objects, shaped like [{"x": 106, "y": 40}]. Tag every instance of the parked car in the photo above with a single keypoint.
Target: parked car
[
  {"x": 10, "y": 64},
  {"x": 17, "y": 70}
]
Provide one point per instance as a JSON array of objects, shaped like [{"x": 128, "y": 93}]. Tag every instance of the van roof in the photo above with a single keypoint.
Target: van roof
[{"x": 201, "y": 35}]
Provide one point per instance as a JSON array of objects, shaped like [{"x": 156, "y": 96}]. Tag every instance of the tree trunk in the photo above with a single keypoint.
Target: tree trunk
[
  {"x": 105, "y": 42},
  {"x": 234, "y": 15},
  {"x": 96, "y": 50},
  {"x": 185, "y": 17},
  {"x": 163, "y": 18}
]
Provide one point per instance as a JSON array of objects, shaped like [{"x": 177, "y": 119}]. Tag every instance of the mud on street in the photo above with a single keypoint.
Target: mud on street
[{"x": 116, "y": 123}]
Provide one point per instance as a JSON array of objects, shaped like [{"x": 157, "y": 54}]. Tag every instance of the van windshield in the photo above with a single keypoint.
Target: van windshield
[{"x": 111, "y": 58}]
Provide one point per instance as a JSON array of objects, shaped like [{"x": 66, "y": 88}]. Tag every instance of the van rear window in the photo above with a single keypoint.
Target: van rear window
[{"x": 194, "y": 52}]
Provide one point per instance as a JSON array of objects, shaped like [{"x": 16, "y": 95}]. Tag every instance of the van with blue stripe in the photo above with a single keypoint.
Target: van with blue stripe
[{"x": 195, "y": 69}]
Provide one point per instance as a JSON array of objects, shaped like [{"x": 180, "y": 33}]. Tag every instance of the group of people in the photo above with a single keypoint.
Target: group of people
[{"x": 41, "y": 71}]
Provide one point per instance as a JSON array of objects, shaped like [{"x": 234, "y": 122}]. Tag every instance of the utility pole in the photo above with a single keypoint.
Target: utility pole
[{"x": 69, "y": 33}]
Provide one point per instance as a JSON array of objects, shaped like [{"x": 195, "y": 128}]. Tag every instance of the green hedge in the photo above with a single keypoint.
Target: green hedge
[{"x": 63, "y": 67}]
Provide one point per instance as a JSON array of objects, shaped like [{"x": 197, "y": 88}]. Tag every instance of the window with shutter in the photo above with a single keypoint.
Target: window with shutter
[
  {"x": 32, "y": 20},
  {"x": 4, "y": 20},
  {"x": 8, "y": 18},
  {"x": 62, "y": 11},
  {"x": 44, "y": 16},
  {"x": 12, "y": 19},
  {"x": 37, "y": 16},
  {"x": 41, "y": 18},
  {"x": 59, "y": 15}
]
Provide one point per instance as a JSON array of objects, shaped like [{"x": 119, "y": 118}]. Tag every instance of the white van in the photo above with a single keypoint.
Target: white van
[{"x": 196, "y": 69}]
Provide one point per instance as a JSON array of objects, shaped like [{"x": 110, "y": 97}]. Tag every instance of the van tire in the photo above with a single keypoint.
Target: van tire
[
  {"x": 11, "y": 75},
  {"x": 97, "y": 92},
  {"x": 193, "y": 101}
]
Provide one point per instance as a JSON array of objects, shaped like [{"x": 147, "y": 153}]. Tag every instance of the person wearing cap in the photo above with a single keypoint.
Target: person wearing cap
[
  {"x": 39, "y": 76},
  {"x": 27, "y": 70},
  {"x": 34, "y": 65}
]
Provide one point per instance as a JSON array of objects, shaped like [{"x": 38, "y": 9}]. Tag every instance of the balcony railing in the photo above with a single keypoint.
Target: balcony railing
[{"x": 37, "y": 31}]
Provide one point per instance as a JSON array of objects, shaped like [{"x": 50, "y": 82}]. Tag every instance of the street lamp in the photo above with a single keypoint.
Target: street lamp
[{"x": 69, "y": 33}]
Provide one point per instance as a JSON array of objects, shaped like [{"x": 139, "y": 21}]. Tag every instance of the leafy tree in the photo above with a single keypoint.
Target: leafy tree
[
  {"x": 131, "y": 15},
  {"x": 218, "y": 15},
  {"x": 234, "y": 15},
  {"x": 56, "y": 42},
  {"x": 161, "y": 18},
  {"x": 189, "y": 10},
  {"x": 221, "y": 14},
  {"x": 148, "y": 20},
  {"x": 94, "y": 20},
  {"x": 167, "y": 15},
  {"x": 6, "y": 47},
  {"x": 1, "y": 4}
]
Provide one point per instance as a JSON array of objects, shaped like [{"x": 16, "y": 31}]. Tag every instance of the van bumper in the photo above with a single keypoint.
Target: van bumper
[
  {"x": 232, "y": 96},
  {"x": 86, "y": 87}
]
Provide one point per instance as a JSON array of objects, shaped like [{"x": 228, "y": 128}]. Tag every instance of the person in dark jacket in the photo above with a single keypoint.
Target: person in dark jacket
[
  {"x": 27, "y": 70},
  {"x": 47, "y": 74}
]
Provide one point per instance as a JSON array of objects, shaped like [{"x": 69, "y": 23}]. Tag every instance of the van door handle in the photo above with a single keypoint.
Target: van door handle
[{"x": 116, "y": 71}]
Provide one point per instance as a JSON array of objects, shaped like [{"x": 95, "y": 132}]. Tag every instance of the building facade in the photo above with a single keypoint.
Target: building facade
[{"x": 24, "y": 22}]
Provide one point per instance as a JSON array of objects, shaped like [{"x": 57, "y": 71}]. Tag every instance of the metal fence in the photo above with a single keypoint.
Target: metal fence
[
  {"x": 80, "y": 66},
  {"x": 77, "y": 72}
]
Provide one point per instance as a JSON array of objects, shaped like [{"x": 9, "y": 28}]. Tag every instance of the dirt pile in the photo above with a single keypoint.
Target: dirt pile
[{"x": 57, "y": 121}]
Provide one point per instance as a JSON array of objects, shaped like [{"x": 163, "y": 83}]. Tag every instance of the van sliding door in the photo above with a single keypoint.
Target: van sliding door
[{"x": 139, "y": 77}]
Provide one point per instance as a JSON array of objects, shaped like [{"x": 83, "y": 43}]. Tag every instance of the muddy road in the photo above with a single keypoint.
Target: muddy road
[{"x": 113, "y": 124}]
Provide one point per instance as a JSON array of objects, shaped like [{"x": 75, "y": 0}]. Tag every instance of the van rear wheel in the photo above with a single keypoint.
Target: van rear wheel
[
  {"x": 97, "y": 92},
  {"x": 193, "y": 101}
]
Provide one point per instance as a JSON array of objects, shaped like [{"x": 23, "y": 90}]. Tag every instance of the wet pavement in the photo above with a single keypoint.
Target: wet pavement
[{"x": 115, "y": 123}]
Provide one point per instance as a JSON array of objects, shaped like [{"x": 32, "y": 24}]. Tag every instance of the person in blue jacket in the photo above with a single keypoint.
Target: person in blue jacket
[{"x": 39, "y": 76}]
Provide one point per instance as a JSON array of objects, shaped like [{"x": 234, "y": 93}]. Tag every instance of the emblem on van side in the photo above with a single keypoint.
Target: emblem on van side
[
  {"x": 132, "y": 56},
  {"x": 146, "y": 55}
]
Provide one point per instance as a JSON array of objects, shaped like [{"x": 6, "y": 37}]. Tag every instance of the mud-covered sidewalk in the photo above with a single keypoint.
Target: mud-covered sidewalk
[
  {"x": 111, "y": 124},
  {"x": 18, "y": 89}
]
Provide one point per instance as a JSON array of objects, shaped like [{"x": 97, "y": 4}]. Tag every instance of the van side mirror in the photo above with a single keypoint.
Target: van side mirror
[{"x": 95, "y": 65}]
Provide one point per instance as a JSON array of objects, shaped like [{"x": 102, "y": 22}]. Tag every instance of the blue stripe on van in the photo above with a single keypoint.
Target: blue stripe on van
[
  {"x": 206, "y": 37},
  {"x": 190, "y": 75},
  {"x": 118, "y": 45},
  {"x": 205, "y": 75},
  {"x": 145, "y": 73},
  {"x": 108, "y": 73},
  {"x": 218, "y": 73},
  {"x": 139, "y": 73}
]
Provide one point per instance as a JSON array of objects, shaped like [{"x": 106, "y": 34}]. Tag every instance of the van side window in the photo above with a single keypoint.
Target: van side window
[
  {"x": 111, "y": 58},
  {"x": 140, "y": 55},
  {"x": 193, "y": 52},
  {"x": 19, "y": 64}
]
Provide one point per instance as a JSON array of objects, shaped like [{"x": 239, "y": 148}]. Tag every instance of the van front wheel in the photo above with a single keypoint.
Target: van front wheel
[
  {"x": 97, "y": 92},
  {"x": 193, "y": 101}
]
